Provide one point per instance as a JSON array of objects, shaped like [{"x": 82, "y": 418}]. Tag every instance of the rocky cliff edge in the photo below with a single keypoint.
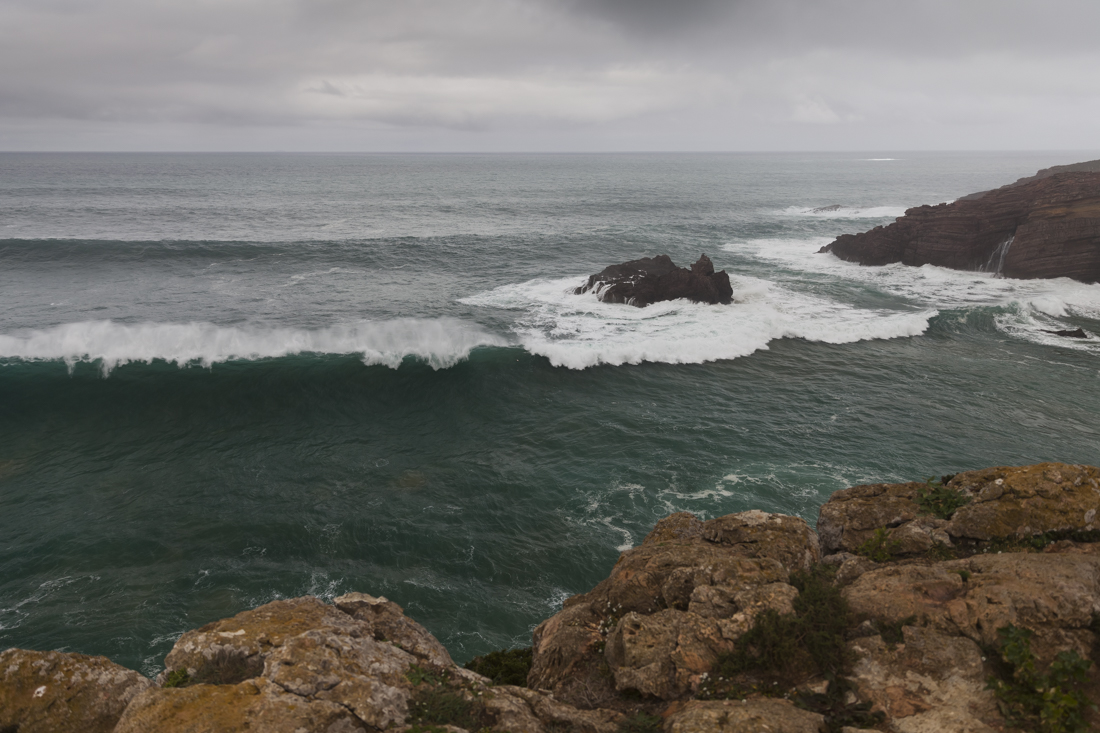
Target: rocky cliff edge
[{"x": 970, "y": 604}]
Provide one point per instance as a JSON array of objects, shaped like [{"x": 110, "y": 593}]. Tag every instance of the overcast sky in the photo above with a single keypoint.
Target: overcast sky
[{"x": 466, "y": 75}]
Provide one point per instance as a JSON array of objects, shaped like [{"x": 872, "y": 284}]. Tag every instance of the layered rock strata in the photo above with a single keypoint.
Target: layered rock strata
[
  {"x": 1044, "y": 226},
  {"x": 930, "y": 576},
  {"x": 653, "y": 279}
]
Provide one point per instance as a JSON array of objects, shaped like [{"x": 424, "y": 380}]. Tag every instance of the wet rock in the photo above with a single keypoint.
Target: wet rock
[
  {"x": 734, "y": 716},
  {"x": 1076, "y": 333},
  {"x": 651, "y": 280},
  {"x": 56, "y": 692},
  {"x": 1039, "y": 227},
  {"x": 254, "y": 705}
]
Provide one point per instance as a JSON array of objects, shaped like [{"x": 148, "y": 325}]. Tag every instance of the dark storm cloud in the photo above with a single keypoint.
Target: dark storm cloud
[{"x": 542, "y": 74}]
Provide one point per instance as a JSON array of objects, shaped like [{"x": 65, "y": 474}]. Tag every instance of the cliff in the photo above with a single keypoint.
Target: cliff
[
  {"x": 1047, "y": 225},
  {"x": 967, "y": 605}
]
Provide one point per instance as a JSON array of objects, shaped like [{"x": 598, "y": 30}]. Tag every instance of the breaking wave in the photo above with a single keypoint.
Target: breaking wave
[
  {"x": 579, "y": 331},
  {"x": 441, "y": 343},
  {"x": 837, "y": 211},
  {"x": 1034, "y": 307}
]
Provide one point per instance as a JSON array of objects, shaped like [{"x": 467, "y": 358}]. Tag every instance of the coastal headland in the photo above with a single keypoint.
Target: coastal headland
[
  {"x": 966, "y": 603},
  {"x": 1043, "y": 226}
]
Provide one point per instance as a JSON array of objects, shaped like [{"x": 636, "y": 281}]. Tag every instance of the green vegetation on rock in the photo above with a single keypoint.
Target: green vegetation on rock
[
  {"x": 642, "y": 722},
  {"x": 504, "y": 667},
  {"x": 1050, "y": 702},
  {"x": 879, "y": 547},
  {"x": 940, "y": 501}
]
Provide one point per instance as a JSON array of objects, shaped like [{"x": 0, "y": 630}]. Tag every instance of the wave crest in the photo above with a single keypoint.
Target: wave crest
[{"x": 440, "y": 343}]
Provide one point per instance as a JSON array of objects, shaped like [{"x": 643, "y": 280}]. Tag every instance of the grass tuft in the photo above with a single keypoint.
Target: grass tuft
[{"x": 504, "y": 667}]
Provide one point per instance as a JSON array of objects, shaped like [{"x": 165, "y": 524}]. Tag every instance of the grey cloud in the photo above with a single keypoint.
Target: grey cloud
[{"x": 538, "y": 74}]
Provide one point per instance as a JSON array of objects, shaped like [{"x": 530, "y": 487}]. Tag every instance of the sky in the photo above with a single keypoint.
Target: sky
[{"x": 549, "y": 75}]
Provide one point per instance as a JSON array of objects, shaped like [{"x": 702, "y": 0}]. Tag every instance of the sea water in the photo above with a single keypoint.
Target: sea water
[{"x": 228, "y": 379}]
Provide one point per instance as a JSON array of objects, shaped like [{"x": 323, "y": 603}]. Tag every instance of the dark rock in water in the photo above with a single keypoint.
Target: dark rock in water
[
  {"x": 826, "y": 209},
  {"x": 653, "y": 279},
  {"x": 1047, "y": 225},
  {"x": 1077, "y": 333}
]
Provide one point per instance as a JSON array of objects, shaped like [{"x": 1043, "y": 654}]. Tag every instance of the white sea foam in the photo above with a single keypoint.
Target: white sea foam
[
  {"x": 440, "y": 342},
  {"x": 579, "y": 331},
  {"x": 845, "y": 212},
  {"x": 1036, "y": 305}
]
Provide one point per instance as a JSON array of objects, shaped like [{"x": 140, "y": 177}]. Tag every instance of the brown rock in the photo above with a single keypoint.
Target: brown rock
[
  {"x": 254, "y": 705},
  {"x": 734, "y": 716},
  {"x": 850, "y": 516},
  {"x": 680, "y": 556},
  {"x": 1054, "y": 595},
  {"x": 242, "y": 643},
  {"x": 56, "y": 692},
  {"x": 759, "y": 534},
  {"x": 388, "y": 622},
  {"x": 1026, "y": 500},
  {"x": 932, "y": 682},
  {"x": 360, "y": 674},
  {"x": 664, "y": 654},
  {"x": 1044, "y": 226}
]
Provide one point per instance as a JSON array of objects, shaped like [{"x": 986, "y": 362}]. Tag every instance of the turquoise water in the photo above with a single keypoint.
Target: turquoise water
[{"x": 228, "y": 379}]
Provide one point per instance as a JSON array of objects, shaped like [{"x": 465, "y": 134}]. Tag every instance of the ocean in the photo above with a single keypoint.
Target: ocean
[{"x": 227, "y": 379}]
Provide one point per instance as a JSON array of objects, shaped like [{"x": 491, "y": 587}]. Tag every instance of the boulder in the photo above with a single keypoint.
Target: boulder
[
  {"x": 57, "y": 692},
  {"x": 931, "y": 682},
  {"x": 851, "y": 516},
  {"x": 1044, "y": 226},
  {"x": 1027, "y": 500},
  {"x": 653, "y": 279},
  {"x": 1053, "y": 594},
  {"x": 688, "y": 572}
]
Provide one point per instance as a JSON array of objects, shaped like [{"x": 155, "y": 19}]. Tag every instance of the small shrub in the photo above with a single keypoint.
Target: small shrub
[
  {"x": 642, "y": 722},
  {"x": 789, "y": 648},
  {"x": 440, "y": 705},
  {"x": 177, "y": 678},
  {"x": 940, "y": 501},
  {"x": 890, "y": 631},
  {"x": 418, "y": 675},
  {"x": 1050, "y": 702},
  {"x": 504, "y": 667},
  {"x": 964, "y": 574},
  {"x": 879, "y": 547}
]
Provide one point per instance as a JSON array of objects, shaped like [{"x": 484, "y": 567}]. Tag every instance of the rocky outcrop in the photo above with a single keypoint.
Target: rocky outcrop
[
  {"x": 1044, "y": 226},
  {"x": 909, "y": 589},
  {"x": 653, "y": 279},
  {"x": 54, "y": 692}
]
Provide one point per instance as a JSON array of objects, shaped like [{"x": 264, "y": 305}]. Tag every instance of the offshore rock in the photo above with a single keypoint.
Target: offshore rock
[
  {"x": 1044, "y": 226},
  {"x": 55, "y": 692},
  {"x": 653, "y": 279}
]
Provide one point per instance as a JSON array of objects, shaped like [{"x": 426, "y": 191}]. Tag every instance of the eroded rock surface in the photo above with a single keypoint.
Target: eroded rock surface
[
  {"x": 653, "y": 279},
  {"x": 671, "y": 606},
  {"x": 56, "y": 692},
  {"x": 920, "y": 629}
]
